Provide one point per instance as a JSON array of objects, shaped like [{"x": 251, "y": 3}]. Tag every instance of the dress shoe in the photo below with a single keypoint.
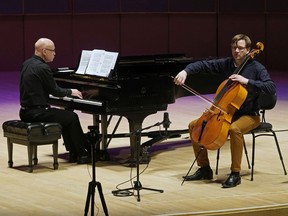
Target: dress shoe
[
  {"x": 201, "y": 173},
  {"x": 83, "y": 159},
  {"x": 72, "y": 157},
  {"x": 233, "y": 180}
]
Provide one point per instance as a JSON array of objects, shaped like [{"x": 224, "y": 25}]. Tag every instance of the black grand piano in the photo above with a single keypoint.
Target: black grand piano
[{"x": 137, "y": 87}]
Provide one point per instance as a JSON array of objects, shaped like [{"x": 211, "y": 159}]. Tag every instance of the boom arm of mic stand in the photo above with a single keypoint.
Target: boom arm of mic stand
[{"x": 146, "y": 128}]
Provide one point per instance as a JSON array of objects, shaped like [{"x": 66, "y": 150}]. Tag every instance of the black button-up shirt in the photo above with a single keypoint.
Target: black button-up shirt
[{"x": 37, "y": 82}]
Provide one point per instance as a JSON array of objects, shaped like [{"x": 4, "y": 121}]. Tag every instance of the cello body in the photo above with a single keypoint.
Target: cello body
[{"x": 212, "y": 128}]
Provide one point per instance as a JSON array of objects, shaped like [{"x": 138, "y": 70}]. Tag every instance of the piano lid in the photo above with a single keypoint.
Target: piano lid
[
  {"x": 149, "y": 66},
  {"x": 131, "y": 67},
  {"x": 151, "y": 59}
]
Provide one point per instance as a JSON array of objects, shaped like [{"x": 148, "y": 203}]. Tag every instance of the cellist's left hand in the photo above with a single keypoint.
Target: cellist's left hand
[{"x": 239, "y": 78}]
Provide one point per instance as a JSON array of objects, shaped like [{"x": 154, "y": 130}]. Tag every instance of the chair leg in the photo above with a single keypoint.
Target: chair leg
[
  {"x": 218, "y": 156},
  {"x": 55, "y": 155},
  {"x": 246, "y": 153},
  {"x": 30, "y": 155},
  {"x": 253, "y": 156},
  {"x": 279, "y": 151},
  {"x": 10, "y": 153},
  {"x": 35, "y": 156}
]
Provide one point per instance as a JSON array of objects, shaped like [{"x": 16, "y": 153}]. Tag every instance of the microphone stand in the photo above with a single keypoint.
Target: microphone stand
[
  {"x": 137, "y": 184},
  {"x": 94, "y": 140}
]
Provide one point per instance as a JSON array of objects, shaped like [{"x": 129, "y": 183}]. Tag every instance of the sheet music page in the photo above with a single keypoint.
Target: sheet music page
[
  {"x": 107, "y": 64},
  {"x": 95, "y": 62},
  {"x": 101, "y": 63},
  {"x": 84, "y": 60}
]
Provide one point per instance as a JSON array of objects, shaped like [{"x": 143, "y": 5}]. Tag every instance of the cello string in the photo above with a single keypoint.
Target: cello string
[
  {"x": 249, "y": 56},
  {"x": 230, "y": 82}
]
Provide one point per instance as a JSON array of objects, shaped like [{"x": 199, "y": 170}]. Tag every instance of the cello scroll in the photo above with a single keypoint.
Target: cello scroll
[{"x": 255, "y": 52}]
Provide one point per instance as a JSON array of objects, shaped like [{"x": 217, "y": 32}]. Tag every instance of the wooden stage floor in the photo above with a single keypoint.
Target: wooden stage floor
[{"x": 63, "y": 192}]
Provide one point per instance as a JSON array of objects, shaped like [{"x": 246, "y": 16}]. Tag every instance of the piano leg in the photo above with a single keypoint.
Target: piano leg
[
  {"x": 135, "y": 125},
  {"x": 104, "y": 126},
  {"x": 135, "y": 120},
  {"x": 102, "y": 153}
]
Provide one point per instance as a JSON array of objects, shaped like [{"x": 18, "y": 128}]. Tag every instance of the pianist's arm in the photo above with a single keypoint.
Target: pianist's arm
[{"x": 57, "y": 91}]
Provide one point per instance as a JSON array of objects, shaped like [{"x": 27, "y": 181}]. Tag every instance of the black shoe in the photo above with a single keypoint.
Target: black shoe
[
  {"x": 201, "y": 173},
  {"x": 233, "y": 180},
  {"x": 84, "y": 159},
  {"x": 73, "y": 157}
]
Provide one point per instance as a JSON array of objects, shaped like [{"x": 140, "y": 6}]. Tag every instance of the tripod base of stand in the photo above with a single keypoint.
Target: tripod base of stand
[
  {"x": 137, "y": 187},
  {"x": 91, "y": 197},
  {"x": 93, "y": 139}
]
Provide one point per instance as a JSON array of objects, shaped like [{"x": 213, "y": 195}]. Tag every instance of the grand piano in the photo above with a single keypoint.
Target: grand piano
[{"x": 137, "y": 87}]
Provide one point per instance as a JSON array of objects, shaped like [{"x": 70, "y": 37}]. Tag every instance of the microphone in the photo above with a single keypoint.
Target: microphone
[{"x": 166, "y": 121}]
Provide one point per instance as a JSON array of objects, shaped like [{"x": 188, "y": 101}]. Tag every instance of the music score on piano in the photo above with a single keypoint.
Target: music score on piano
[{"x": 97, "y": 62}]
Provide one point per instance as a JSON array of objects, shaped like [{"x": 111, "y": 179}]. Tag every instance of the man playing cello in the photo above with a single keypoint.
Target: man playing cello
[{"x": 255, "y": 78}]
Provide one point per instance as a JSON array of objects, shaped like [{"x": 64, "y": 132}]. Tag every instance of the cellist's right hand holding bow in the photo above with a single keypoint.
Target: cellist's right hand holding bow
[{"x": 180, "y": 78}]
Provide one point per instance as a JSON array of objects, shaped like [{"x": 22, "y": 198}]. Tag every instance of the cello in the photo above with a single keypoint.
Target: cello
[{"x": 211, "y": 130}]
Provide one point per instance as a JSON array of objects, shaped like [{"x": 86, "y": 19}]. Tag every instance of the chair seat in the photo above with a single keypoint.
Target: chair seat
[
  {"x": 264, "y": 126},
  {"x": 32, "y": 135},
  {"x": 35, "y": 133}
]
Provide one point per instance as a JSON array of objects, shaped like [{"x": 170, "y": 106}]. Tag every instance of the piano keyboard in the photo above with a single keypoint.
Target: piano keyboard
[{"x": 77, "y": 100}]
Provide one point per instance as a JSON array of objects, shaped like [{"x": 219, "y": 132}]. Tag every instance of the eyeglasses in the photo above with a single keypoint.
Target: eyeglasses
[
  {"x": 238, "y": 47},
  {"x": 51, "y": 50}
]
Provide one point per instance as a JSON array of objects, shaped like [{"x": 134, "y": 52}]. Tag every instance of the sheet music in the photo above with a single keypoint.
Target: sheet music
[
  {"x": 101, "y": 63},
  {"x": 97, "y": 62},
  {"x": 84, "y": 60},
  {"x": 107, "y": 64}
]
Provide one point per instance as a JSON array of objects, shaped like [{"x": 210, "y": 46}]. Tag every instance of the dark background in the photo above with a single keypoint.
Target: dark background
[{"x": 197, "y": 28}]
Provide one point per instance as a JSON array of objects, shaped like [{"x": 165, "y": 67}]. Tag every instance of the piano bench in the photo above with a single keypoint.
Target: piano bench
[{"x": 32, "y": 135}]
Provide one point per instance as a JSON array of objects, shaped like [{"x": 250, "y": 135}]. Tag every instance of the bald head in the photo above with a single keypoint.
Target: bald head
[{"x": 45, "y": 49}]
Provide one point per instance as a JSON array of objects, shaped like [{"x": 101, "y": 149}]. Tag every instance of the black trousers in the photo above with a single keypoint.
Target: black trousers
[{"x": 72, "y": 132}]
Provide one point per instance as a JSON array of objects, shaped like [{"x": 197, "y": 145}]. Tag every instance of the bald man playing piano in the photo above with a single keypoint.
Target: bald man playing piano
[{"x": 36, "y": 84}]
